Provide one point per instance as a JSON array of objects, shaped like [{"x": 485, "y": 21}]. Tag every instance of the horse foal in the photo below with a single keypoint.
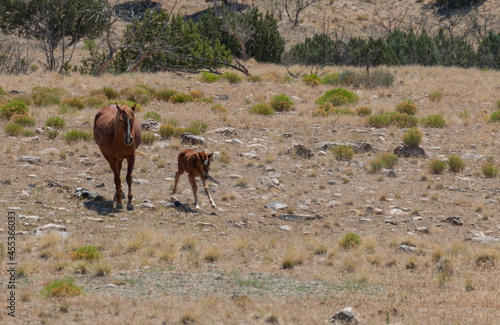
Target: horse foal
[{"x": 195, "y": 164}]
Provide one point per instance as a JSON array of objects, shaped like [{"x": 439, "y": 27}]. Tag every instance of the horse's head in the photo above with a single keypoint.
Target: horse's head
[
  {"x": 205, "y": 158},
  {"x": 125, "y": 121}
]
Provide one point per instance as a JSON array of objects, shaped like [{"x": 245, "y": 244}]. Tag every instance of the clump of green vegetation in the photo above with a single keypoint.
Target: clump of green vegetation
[
  {"x": 13, "y": 129},
  {"x": 218, "y": 108},
  {"x": 45, "y": 96},
  {"x": 137, "y": 95},
  {"x": 15, "y": 107},
  {"x": 75, "y": 135},
  {"x": 179, "y": 98},
  {"x": 330, "y": 79},
  {"x": 165, "y": 94},
  {"x": 388, "y": 160},
  {"x": 196, "y": 127},
  {"x": 338, "y": 97},
  {"x": 148, "y": 137},
  {"x": 281, "y": 103},
  {"x": 196, "y": 94},
  {"x": 350, "y": 240},
  {"x": 495, "y": 116},
  {"x": 95, "y": 101},
  {"x": 56, "y": 122},
  {"x": 348, "y": 78},
  {"x": 153, "y": 115},
  {"x": 262, "y": 109},
  {"x": 489, "y": 170},
  {"x": 290, "y": 260},
  {"x": 311, "y": 80},
  {"x": 392, "y": 118},
  {"x": 436, "y": 96},
  {"x": 343, "y": 152},
  {"x": 363, "y": 111},
  {"x": 456, "y": 164},
  {"x": 52, "y": 134},
  {"x": 232, "y": 77},
  {"x": 88, "y": 253},
  {"x": 254, "y": 79},
  {"x": 74, "y": 102},
  {"x": 328, "y": 109},
  {"x": 62, "y": 288},
  {"x": 2, "y": 92},
  {"x": 109, "y": 92},
  {"x": 407, "y": 106},
  {"x": 413, "y": 137},
  {"x": 166, "y": 131},
  {"x": 208, "y": 77},
  {"x": 433, "y": 121},
  {"x": 437, "y": 166},
  {"x": 24, "y": 120}
]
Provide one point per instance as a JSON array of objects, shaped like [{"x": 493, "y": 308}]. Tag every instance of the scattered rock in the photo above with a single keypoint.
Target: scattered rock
[
  {"x": 146, "y": 205},
  {"x": 236, "y": 141},
  {"x": 410, "y": 152},
  {"x": 287, "y": 135},
  {"x": 50, "y": 151},
  {"x": 455, "y": 220},
  {"x": 358, "y": 147},
  {"x": 225, "y": 131},
  {"x": 140, "y": 181},
  {"x": 356, "y": 163},
  {"x": 14, "y": 209},
  {"x": 95, "y": 219},
  {"x": 80, "y": 192},
  {"x": 422, "y": 230},
  {"x": 181, "y": 207},
  {"x": 301, "y": 151},
  {"x": 205, "y": 224},
  {"x": 486, "y": 240},
  {"x": 29, "y": 159},
  {"x": 49, "y": 227},
  {"x": 250, "y": 155},
  {"x": 191, "y": 138},
  {"x": 346, "y": 316},
  {"x": 298, "y": 217},
  {"x": 150, "y": 125},
  {"x": 31, "y": 139},
  {"x": 277, "y": 205},
  {"x": 389, "y": 173},
  {"x": 332, "y": 204},
  {"x": 221, "y": 97},
  {"x": 397, "y": 212},
  {"x": 286, "y": 228},
  {"x": 31, "y": 218},
  {"x": 406, "y": 248}
]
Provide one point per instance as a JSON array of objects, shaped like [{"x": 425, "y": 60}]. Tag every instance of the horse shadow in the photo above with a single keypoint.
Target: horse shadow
[{"x": 96, "y": 202}]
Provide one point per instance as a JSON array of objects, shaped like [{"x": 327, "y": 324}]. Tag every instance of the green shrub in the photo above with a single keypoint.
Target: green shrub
[
  {"x": 377, "y": 78},
  {"x": 363, "y": 111},
  {"x": 151, "y": 91},
  {"x": 495, "y": 116},
  {"x": 110, "y": 93},
  {"x": 407, "y": 106},
  {"x": 330, "y": 79},
  {"x": 179, "y": 98},
  {"x": 166, "y": 131},
  {"x": 56, "y": 122},
  {"x": 136, "y": 95},
  {"x": 2, "y": 92},
  {"x": 343, "y": 152},
  {"x": 498, "y": 104},
  {"x": 436, "y": 96},
  {"x": 148, "y": 137},
  {"x": 375, "y": 165},
  {"x": 218, "y": 108},
  {"x": 329, "y": 109},
  {"x": 165, "y": 94},
  {"x": 87, "y": 252},
  {"x": 392, "y": 118},
  {"x": 311, "y": 80},
  {"x": 338, "y": 97},
  {"x": 13, "y": 108},
  {"x": 75, "y": 135},
  {"x": 433, "y": 121},
  {"x": 380, "y": 120},
  {"x": 13, "y": 129},
  {"x": 348, "y": 78},
  {"x": 413, "y": 137},
  {"x": 488, "y": 170},
  {"x": 437, "y": 166},
  {"x": 464, "y": 114},
  {"x": 388, "y": 160},
  {"x": 254, "y": 79},
  {"x": 28, "y": 133},
  {"x": 350, "y": 240},
  {"x": 208, "y": 77},
  {"x": 24, "y": 120},
  {"x": 281, "y": 103},
  {"x": 95, "y": 101},
  {"x": 232, "y": 77},
  {"x": 52, "y": 134},
  {"x": 44, "y": 96},
  {"x": 153, "y": 115},
  {"x": 74, "y": 102},
  {"x": 455, "y": 163},
  {"x": 262, "y": 109},
  {"x": 198, "y": 125},
  {"x": 62, "y": 288}
]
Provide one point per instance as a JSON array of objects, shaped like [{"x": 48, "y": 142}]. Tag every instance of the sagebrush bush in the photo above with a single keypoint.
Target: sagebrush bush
[
  {"x": 199, "y": 126},
  {"x": 148, "y": 137},
  {"x": 24, "y": 120},
  {"x": 208, "y": 77},
  {"x": 330, "y": 79},
  {"x": 75, "y": 135},
  {"x": 455, "y": 163},
  {"x": 45, "y": 96},
  {"x": 232, "y": 77},
  {"x": 153, "y": 115},
  {"x": 166, "y": 131},
  {"x": 338, "y": 97},
  {"x": 281, "y": 103},
  {"x": 218, "y": 108},
  {"x": 196, "y": 94},
  {"x": 137, "y": 95},
  {"x": 74, "y": 102},
  {"x": 96, "y": 101},
  {"x": 15, "y": 107},
  {"x": 52, "y": 134},
  {"x": 262, "y": 109},
  {"x": 2, "y": 92},
  {"x": 65, "y": 287},
  {"x": 392, "y": 118},
  {"x": 436, "y": 96},
  {"x": 13, "y": 129},
  {"x": 87, "y": 252},
  {"x": 375, "y": 165},
  {"x": 407, "y": 106},
  {"x": 388, "y": 160},
  {"x": 349, "y": 78},
  {"x": 433, "y": 121},
  {"x": 108, "y": 92},
  {"x": 495, "y": 116},
  {"x": 343, "y": 152},
  {"x": 55, "y": 122},
  {"x": 254, "y": 79},
  {"x": 377, "y": 78},
  {"x": 165, "y": 94},
  {"x": 179, "y": 98},
  {"x": 488, "y": 170},
  {"x": 350, "y": 240},
  {"x": 311, "y": 80},
  {"x": 413, "y": 137},
  {"x": 363, "y": 111},
  {"x": 437, "y": 166}
]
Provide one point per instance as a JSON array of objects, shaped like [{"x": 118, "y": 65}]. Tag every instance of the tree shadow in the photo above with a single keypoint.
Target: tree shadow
[
  {"x": 445, "y": 11},
  {"x": 232, "y": 7}
]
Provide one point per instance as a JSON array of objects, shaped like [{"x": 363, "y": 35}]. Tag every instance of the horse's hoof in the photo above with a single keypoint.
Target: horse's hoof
[
  {"x": 123, "y": 195},
  {"x": 130, "y": 207},
  {"x": 119, "y": 206},
  {"x": 197, "y": 207},
  {"x": 214, "y": 206}
]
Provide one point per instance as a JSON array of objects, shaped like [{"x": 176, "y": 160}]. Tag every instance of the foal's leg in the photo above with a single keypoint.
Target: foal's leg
[
  {"x": 130, "y": 168},
  {"x": 195, "y": 190},
  {"x": 207, "y": 190},
  {"x": 177, "y": 176}
]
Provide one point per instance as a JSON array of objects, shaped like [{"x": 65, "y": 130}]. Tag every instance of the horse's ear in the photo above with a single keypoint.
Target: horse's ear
[
  {"x": 210, "y": 156},
  {"x": 133, "y": 107},
  {"x": 118, "y": 107}
]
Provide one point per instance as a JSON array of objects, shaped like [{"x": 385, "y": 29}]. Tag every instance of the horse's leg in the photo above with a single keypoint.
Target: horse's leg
[
  {"x": 195, "y": 190},
  {"x": 177, "y": 176},
  {"x": 130, "y": 168},
  {"x": 116, "y": 171},
  {"x": 207, "y": 190}
]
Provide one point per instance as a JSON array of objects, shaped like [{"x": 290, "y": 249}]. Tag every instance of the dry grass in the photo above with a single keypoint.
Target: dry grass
[{"x": 239, "y": 266}]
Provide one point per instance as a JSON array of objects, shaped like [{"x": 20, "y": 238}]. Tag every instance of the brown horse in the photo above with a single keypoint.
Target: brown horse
[
  {"x": 118, "y": 134},
  {"x": 195, "y": 164}
]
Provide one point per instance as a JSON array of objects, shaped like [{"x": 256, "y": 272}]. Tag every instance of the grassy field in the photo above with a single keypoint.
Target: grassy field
[{"x": 241, "y": 263}]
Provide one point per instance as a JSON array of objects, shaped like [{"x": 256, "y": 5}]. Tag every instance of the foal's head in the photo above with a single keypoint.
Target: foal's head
[
  {"x": 205, "y": 158},
  {"x": 124, "y": 122}
]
